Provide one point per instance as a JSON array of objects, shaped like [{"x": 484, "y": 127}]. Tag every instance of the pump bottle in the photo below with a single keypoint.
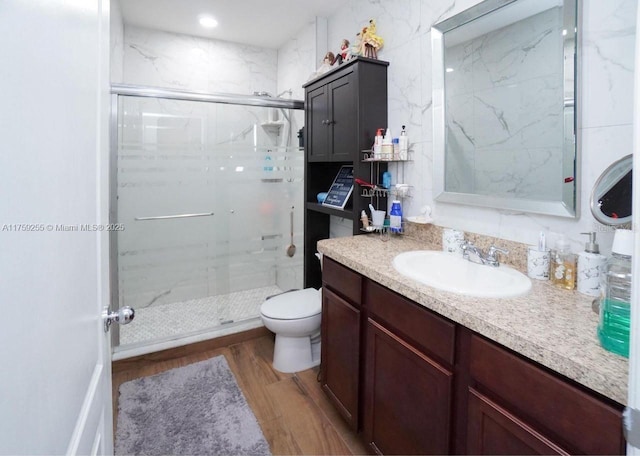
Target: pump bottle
[{"x": 590, "y": 266}]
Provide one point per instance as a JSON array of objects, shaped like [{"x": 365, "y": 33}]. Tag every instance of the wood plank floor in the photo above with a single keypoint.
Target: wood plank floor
[{"x": 293, "y": 411}]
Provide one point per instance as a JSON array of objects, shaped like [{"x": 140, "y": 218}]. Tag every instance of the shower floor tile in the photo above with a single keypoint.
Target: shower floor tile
[{"x": 188, "y": 317}]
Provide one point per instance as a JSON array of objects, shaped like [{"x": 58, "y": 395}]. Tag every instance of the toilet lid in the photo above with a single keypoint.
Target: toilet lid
[{"x": 293, "y": 305}]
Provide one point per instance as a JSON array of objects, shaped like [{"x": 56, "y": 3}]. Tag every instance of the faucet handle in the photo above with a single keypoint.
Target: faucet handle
[
  {"x": 493, "y": 250},
  {"x": 492, "y": 257}
]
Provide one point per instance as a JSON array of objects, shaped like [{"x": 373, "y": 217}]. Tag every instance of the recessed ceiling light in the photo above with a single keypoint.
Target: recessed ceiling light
[
  {"x": 449, "y": 70},
  {"x": 208, "y": 21}
]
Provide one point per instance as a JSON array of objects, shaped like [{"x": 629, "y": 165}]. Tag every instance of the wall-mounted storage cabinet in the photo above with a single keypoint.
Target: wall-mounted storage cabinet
[{"x": 343, "y": 109}]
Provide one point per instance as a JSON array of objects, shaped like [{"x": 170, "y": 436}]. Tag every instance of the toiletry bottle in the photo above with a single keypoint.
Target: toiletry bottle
[
  {"x": 395, "y": 217},
  {"x": 268, "y": 163},
  {"x": 590, "y": 266},
  {"x": 386, "y": 179},
  {"x": 364, "y": 219},
  {"x": 396, "y": 148},
  {"x": 563, "y": 266},
  {"x": 403, "y": 145},
  {"x": 377, "y": 145},
  {"x": 387, "y": 146},
  {"x": 615, "y": 301}
]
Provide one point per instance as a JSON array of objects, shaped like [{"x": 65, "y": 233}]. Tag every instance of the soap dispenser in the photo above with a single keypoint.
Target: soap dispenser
[
  {"x": 563, "y": 266},
  {"x": 590, "y": 266}
]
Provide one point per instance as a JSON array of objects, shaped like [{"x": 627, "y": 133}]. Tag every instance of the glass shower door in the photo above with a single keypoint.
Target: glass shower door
[{"x": 204, "y": 192}]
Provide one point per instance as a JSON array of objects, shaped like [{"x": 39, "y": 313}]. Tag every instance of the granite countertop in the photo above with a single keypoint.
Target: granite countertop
[{"x": 551, "y": 326}]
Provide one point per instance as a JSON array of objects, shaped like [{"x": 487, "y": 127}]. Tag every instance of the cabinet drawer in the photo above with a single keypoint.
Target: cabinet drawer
[
  {"x": 423, "y": 328},
  {"x": 585, "y": 423},
  {"x": 342, "y": 280}
]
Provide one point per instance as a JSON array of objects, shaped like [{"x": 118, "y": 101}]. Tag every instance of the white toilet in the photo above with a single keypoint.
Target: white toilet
[{"x": 294, "y": 317}]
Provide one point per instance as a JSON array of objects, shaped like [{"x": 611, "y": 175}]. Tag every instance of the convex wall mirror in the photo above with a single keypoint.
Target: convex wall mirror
[{"x": 504, "y": 106}]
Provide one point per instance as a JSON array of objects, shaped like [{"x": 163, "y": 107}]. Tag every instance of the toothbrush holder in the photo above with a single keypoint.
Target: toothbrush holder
[{"x": 538, "y": 263}]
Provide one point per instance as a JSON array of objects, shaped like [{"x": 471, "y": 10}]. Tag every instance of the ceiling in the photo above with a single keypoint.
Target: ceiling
[{"x": 264, "y": 23}]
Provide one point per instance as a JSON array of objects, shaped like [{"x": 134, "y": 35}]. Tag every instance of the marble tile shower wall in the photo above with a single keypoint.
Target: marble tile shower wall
[
  {"x": 605, "y": 103},
  {"x": 491, "y": 120},
  {"x": 185, "y": 62}
]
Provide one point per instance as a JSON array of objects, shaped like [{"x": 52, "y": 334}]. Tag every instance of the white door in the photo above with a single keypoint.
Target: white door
[{"x": 55, "y": 387}]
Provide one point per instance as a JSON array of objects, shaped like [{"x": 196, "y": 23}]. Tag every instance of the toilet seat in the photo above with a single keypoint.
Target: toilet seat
[{"x": 293, "y": 305}]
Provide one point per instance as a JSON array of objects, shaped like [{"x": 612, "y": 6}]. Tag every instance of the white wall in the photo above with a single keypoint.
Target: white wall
[{"x": 606, "y": 104}]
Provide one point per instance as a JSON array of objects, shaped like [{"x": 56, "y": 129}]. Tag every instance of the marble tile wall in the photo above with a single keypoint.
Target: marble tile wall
[
  {"x": 605, "y": 87},
  {"x": 162, "y": 59},
  {"x": 116, "y": 37}
]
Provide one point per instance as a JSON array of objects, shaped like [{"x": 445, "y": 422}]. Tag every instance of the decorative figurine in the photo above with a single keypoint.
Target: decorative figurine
[
  {"x": 368, "y": 41},
  {"x": 372, "y": 42},
  {"x": 327, "y": 62},
  {"x": 345, "y": 53}
]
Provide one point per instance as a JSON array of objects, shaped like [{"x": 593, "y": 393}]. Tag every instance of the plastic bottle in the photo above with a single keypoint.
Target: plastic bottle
[
  {"x": 377, "y": 145},
  {"x": 404, "y": 145},
  {"x": 386, "y": 179},
  {"x": 614, "y": 325},
  {"x": 364, "y": 219},
  {"x": 395, "y": 217},
  {"x": 590, "y": 265},
  {"x": 396, "y": 148},
  {"x": 563, "y": 266},
  {"x": 268, "y": 163},
  {"x": 387, "y": 146}
]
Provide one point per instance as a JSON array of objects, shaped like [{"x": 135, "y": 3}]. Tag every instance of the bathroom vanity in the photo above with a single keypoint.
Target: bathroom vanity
[{"x": 419, "y": 371}]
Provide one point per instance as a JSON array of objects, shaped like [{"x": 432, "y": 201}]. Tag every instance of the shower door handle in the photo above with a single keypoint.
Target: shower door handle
[
  {"x": 123, "y": 315},
  {"x": 165, "y": 217}
]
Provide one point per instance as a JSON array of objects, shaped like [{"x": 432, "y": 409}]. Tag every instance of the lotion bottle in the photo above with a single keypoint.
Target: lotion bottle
[
  {"x": 403, "y": 145},
  {"x": 591, "y": 264}
]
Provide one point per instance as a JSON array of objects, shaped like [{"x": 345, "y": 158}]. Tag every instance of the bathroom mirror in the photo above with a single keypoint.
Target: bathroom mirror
[
  {"x": 503, "y": 106},
  {"x": 612, "y": 193}
]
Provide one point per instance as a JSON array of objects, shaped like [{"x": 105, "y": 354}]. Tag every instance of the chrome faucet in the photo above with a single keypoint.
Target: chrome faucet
[{"x": 490, "y": 259}]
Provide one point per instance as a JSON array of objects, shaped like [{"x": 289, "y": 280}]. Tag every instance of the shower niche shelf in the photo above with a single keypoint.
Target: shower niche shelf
[{"x": 273, "y": 127}]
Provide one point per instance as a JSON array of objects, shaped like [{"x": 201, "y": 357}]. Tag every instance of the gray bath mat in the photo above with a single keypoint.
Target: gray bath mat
[{"x": 197, "y": 410}]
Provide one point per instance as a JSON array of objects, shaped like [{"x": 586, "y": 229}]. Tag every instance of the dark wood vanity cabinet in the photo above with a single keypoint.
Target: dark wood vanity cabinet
[
  {"x": 407, "y": 390},
  {"x": 416, "y": 383},
  {"x": 340, "y": 347},
  {"x": 518, "y": 406}
]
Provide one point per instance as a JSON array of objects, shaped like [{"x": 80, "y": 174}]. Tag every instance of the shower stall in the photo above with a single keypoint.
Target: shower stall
[{"x": 206, "y": 198}]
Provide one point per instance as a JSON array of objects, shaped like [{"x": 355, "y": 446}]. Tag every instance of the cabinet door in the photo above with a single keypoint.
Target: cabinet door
[
  {"x": 493, "y": 430},
  {"x": 407, "y": 397},
  {"x": 343, "y": 132},
  {"x": 340, "y": 354},
  {"x": 318, "y": 124}
]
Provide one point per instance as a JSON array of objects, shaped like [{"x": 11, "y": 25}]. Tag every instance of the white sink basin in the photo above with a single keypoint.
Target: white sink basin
[{"x": 449, "y": 272}]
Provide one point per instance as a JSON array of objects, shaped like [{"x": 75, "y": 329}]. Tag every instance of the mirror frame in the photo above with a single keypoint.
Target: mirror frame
[{"x": 556, "y": 208}]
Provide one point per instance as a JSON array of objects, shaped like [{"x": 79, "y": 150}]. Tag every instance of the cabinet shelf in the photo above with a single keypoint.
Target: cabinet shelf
[
  {"x": 368, "y": 158},
  {"x": 343, "y": 213},
  {"x": 382, "y": 192}
]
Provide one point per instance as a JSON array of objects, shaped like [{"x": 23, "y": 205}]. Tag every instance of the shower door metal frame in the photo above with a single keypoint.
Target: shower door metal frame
[{"x": 118, "y": 90}]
